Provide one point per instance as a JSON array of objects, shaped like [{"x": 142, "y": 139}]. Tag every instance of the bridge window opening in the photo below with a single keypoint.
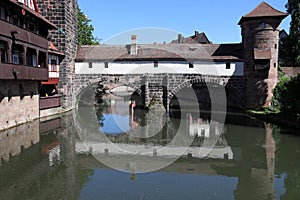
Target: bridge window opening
[
  {"x": 155, "y": 63},
  {"x": 105, "y": 64},
  {"x": 191, "y": 65},
  {"x": 90, "y": 65},
  {"x": 228, "y": 65}
]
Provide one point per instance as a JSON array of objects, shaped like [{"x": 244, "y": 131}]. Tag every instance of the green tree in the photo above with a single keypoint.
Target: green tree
[
  {"x": 85, "y": 30},
  {"x": 287, "y": 96},
  {"x": 290, "y": 46}
]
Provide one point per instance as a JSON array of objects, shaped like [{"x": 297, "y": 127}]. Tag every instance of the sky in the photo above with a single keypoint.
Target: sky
[{"x": 161, "y": 20}]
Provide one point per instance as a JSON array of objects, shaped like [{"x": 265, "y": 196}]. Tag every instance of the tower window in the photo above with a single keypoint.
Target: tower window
[
  {"x": 275, "y": 46},
  {"x": 263, "y": 25},
  {"x": 191, "y": 65},
  {"x": 155, "y": 63},
  {"x": 275, "y": 65},
  {"x": 105, "y": 64}
]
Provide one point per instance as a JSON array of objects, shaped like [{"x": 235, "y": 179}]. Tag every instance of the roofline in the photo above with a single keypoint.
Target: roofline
[
  {"x": 160, "y": 59},
  {"x": 281, "y": 15}
]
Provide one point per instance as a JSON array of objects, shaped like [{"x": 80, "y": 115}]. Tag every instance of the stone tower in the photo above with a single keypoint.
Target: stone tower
[
  {"x": 63, "y": 13},
  {"x": 260, "y": 38}
]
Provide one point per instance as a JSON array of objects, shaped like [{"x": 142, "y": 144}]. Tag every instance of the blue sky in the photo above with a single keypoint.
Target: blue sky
[{"x": 217, "y": 18}]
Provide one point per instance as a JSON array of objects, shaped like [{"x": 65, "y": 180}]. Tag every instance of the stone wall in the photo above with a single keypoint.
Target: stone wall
[
  {"x": 19, "y": 102},
  {"x": 64, "y": 15},
  {"x": 162, "y": 87},
  {"x": 291, "y": 71}
]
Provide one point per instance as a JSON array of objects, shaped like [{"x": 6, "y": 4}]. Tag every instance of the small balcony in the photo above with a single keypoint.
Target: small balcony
[{"x": 50, "y": 102}]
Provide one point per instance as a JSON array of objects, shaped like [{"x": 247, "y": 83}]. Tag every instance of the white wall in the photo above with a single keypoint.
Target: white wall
[{"x": 204, "y": 68}]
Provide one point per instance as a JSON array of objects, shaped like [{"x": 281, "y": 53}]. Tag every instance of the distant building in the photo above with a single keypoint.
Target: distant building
[
  {"x": 198, "y": 38},
  {"x": 282, "y": 34},
  {"x": 23, "y": 64}
]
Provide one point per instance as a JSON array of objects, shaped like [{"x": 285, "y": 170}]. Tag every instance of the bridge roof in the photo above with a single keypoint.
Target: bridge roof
[{"x": 161, "y": 52}]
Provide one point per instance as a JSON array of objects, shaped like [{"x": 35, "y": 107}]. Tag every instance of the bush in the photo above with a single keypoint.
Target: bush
[{"x": 287, "y": 95}]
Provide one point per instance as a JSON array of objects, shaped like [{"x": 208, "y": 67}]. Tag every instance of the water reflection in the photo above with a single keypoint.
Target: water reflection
[{"x": 251, "y": 160}]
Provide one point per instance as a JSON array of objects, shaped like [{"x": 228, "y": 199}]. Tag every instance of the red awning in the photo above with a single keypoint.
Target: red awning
[{"x": 51, "y": 81}]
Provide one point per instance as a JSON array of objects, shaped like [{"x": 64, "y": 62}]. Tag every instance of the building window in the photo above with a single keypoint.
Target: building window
[
  {"x": 31, "y": 57},
  {"x": 3, "y": 52},
  {"x": 31, "y": 24},
  {"x": 105, "y": 64},
  {"x": 2, "y": 13},
  {"x": 191, "y": 65},
  {"x": 155, "y": 63},
  {"x": 275, "y": 46},
  {"x": 53, "y": 63},
  {"x": 14, "y": 19},
  {"x": 17, "y": 54},
  {"x": 42, "y": 59},
  {"x": 275, "y": 65},
  {"x": 90, "y": 65},
  {"x": 228, "y": 65}
]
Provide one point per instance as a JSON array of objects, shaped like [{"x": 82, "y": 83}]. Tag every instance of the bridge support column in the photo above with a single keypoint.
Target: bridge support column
[
  {"x": 166, "y": 101},
  {"x": 145, "y": 90}
]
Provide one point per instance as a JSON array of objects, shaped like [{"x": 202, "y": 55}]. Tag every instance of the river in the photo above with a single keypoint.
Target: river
[{"x": 117, "y": 151}]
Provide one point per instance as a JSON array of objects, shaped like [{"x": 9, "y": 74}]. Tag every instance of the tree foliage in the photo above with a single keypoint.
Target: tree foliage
[
  {"x": 290, "y": 46},
  {"x": 287, "y": 96},
  {"x": 85, "y": 30}
]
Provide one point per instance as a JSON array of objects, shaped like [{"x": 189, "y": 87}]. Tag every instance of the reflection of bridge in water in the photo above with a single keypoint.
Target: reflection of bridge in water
[{"x": 254, "y": 174}]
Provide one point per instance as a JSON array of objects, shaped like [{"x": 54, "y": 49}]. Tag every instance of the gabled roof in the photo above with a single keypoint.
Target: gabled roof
[
  {"x": 200, "y": 38},
  {"x": 161, "y": 52},
  {"x": 263, "y": 10}
]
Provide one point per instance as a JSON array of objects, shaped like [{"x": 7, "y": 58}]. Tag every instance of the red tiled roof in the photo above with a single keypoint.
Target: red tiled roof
[
  {"x": 264, "y": 10},
  {"x": 200, "y": 38},
  {"x": 161, "y": 52},
  {"x": 54, "y": 50}
]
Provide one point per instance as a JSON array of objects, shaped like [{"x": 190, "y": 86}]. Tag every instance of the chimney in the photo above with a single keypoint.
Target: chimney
[
  {"x": 179, "y": 40},
  {"x": 133, "y": 48}
]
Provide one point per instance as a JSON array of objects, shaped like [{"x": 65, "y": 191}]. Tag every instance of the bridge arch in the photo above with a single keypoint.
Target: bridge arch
[
  {"x": 88, "y": 82},
  {"x": 227, "y": 83}
]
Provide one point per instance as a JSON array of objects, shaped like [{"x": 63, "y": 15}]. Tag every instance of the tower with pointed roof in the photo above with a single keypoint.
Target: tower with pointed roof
[{"x": 260, "y": 36}]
